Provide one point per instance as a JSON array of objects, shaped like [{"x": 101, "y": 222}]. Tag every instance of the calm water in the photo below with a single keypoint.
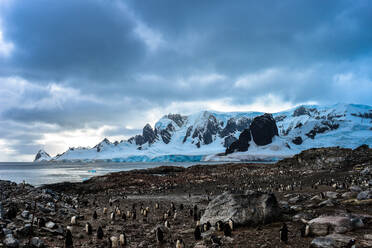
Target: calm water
[{"x": 44, "y": 173}]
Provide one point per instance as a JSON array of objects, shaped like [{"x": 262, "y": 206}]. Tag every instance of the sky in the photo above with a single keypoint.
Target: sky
[{"x": 73, "y": 72}]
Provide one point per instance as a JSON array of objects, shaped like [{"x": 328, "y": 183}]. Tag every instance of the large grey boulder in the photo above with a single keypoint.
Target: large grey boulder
[
  {"x": 324, "y": 225},
  {"x": 248, "y": 209}
]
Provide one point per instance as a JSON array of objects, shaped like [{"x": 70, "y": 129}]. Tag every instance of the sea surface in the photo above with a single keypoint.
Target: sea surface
[{"x": 38, "y": 174}]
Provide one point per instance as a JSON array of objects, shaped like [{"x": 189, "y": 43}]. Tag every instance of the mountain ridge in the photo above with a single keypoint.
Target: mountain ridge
[{"x": 207, "y": 133}]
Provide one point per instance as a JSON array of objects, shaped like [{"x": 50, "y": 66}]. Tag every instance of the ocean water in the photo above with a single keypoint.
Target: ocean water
[{"x": 38, "y": 174}]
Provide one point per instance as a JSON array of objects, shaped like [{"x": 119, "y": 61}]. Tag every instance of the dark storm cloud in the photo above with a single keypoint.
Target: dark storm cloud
[
  {"x": 114, "y": 61},
  {"x": 63, "y": 39}
]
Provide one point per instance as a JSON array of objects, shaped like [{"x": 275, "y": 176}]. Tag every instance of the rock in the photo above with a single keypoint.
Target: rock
[
  {"x": 50, "y": 225},
  {"x": 242, "y": 144},
  {"x": 37, "y": 242},
  {"x": 355, "y": 188},
  {"x": 249, "y": 209},
  {"x": 323, "y": 242},
  {"x": 1, "y": 211},
  {"x": 229, "y": 140},
  {"x": 339, "y": 239},
  {"x": 368, "y": 236},
  {"x": 25, "y": 214},
  {"x": 322, "y": 225},
  {"x": 348, "y": 195},
  {"x": 327, "y": 203},
  {"x": 148, "y": 134},
  {"x": 10, "y": 241},
  {"x": 366, "y": 171},
  {"x": 24, "y": 231},
  {"x": 364, "y": 195},
  {"x": 332, "y": 195},
  {"x": 297, "y": 140},
  {"x": 295, "y": 199},
  {"x": 263, "y": 129}
]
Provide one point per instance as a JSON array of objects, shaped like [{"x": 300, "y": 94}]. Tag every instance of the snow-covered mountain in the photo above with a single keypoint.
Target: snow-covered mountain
[
  {"x": 205, "y": 135},
  {"x": 42, "y": 156}
]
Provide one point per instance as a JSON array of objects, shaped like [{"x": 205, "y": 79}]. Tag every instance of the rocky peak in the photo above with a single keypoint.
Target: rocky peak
[
  {"x": 177, "y": 118},
  {"x": 149, "y": 134},
  {"x": 42, "y": 156},
  {"x": 263, "y": 129}
]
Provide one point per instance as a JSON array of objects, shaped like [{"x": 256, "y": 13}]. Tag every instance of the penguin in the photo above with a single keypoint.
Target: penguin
[
  {"x": 191, "y": 212},
  {"x": 195, "y": 216},
  {"x": 166, "y": 224},
  {"x": 219, "y": 225},
  {"x": 41, "y": 222},
  {"x": 205, "y": 227},
  {"x": 124, "y": 217},
  {"x": 68, "y": 239},
  {"x": 112, "y": 216},
  {"x": 198, "y": 223},
  {"x": 114, "y": 242},
  {"x": 180, "y": 243},
  {"x": 71, "y": 228},
  {"x": 227, "y": 230},
  {"x": 95, "y": 215},
  {"x": 118, "y": 212},
  {"x": 134, "y": 215},
  {"x": 231, "y": 224},
  {"x": 284, "y": 233},
  {"x": 165, "y": 216},
  {"x": 351, "y": 244},
  {"x": 173, "y": 207},
  {"x": 145, "y": 213},
  {"x": 159, "y": 235},
  {"x": 73, "y": 220},
  {"x": 197, "y": 233},
  {"x": 88, "y": 228},
  {"x": 175, "y": 215},
  {"x": 305, "y": 230},
  {"x": 156, "y": 205},
  {"x": 104, "y": 210},
  {"x": 147, "y": 209},
  {"x": 99, "y": 233},
  {"x": 128, "y": 214},
  {"x": 181, "y": 206},
  {"x": 122, "y": 240}
]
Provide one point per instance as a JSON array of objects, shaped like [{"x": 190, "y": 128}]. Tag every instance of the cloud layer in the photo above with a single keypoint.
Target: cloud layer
[{"x": 73, "y": 72}]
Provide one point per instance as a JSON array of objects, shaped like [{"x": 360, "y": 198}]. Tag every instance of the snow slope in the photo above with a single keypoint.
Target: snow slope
[{"x": 204, "y": 135}]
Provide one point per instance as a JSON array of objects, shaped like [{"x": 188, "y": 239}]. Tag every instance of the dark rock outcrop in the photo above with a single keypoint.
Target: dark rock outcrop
[
  {"x": 249, "y": 209},
  {"x": 242, "y": 144},
  {"x": 300, "y": 111},
  {"x": 297, "y": 141},
  {"x": 41, "y": 154},
  {"x": 229, "y": 140},
  {"x": 230, "y": 128},
  {"x": 166, "y": 134},
  {"x": 263, "y": 129},
  {"x": 148, "y": 134},
  {"x": 177, "y": 118},
  {"x": 188, "y": 133},
  {"x": 329, "y": 158}
]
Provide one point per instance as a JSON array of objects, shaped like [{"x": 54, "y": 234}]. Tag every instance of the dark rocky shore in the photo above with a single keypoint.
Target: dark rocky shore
[{"x": 325, "y": 193}]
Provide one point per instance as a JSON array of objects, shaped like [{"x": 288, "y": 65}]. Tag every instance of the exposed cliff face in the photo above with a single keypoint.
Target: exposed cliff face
[
  {"x": 42, "y": 156},
  {"x": 207, "y": 133}
]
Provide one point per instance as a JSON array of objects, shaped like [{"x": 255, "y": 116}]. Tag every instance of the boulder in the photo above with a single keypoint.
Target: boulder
[
  {"x": 364, "y": 195},
  {"x": 37, "y": 242},
  {"x": 249, "y": 209},
  {"x": 323, "y": 225},
  {"x": 323, "y": 242},
  {"x": 263, "y": 129}
]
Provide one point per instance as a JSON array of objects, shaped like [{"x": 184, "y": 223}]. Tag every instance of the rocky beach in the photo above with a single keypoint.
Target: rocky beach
[{"x": 322, "y": 195}]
